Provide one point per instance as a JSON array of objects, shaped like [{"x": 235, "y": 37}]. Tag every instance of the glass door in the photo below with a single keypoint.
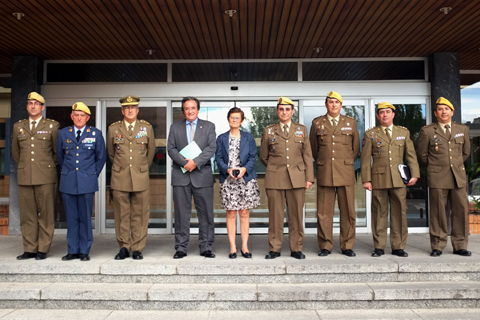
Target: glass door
[{"x": 357, "y": 109}]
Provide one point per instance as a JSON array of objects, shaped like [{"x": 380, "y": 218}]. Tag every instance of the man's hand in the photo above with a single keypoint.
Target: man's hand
[
  {"x": 190, "y": 166},
  {"x": 308, "y": 184},
  {"x": 412, "y": 182},
  {"x": 367, "y": 186}
]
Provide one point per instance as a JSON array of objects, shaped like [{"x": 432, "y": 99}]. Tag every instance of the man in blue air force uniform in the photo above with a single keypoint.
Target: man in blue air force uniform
[{"x": 81, "y": 155}]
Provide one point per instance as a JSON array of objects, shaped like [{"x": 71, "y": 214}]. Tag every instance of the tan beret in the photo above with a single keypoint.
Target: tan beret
[
  {"x": 285, "y": 100},
  {"x": 385, "y": 105},
  {"x": 80, "y": 106},
  {"x": 335, "y": 95},
  {"x": 129, "y": 101},
  {"x": 36, "y": 96},
  {"x": 444, "y": 101}
]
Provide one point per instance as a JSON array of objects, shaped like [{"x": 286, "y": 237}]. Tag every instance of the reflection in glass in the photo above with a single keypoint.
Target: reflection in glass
[
  {"x": 358, "y": 113},
  {"x": 156, "y": 116}
]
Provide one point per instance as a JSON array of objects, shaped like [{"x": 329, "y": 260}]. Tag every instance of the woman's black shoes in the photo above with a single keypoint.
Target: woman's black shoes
[
  {"x": 246, "y": 254},
  {"x": 232, "y": 255}
]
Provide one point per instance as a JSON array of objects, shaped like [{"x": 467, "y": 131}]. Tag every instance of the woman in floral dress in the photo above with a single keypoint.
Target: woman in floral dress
[{"x": 236, "y": 154}]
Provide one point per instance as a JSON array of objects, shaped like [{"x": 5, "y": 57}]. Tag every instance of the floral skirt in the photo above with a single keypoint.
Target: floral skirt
[{"x": 239, "y": 195}]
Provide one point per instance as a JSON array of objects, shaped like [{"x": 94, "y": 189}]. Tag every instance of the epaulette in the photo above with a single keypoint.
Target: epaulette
[
  {"x": 50, "y": 120},
  {"x": 401, "y": 127},
  {"x": 430, "y": 125},
  {"x": 349, "y": 117},
  {"x": 460, "y": 124},
  {"x": 116, "y": 123},
  {"x": 143, "y": 121},
  {"x": 271, "y": 125},
  {"x": 23, "y": 120},
  {"x": 370, "y": 128},
  {"x": 317, "y": 118}
]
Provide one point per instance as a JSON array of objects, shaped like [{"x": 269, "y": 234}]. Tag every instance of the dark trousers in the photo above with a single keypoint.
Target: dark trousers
[
  {"x": 78, "y": 210},
  {"x": 203, "y": 199}
]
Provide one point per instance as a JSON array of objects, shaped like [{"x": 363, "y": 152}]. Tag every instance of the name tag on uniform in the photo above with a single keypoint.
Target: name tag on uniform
[{"x": 400, "y": 138}]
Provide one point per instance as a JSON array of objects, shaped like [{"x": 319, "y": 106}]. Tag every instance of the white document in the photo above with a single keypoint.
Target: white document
[{"x": 191, "y": 151}]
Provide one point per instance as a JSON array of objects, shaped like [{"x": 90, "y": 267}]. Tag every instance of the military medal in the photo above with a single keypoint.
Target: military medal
[
  {"x": 379, "y": 151},
  {"x": 68, "y": 141},
  {"x": 88, "y": 130},
  {"x": 436, "y": 148}
]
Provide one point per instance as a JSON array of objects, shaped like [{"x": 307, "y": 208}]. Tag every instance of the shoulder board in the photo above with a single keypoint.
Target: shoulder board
[
  {"x": 317, "y": 118},
  {"x": 23, "y": 120},
  {"x": 118, "y": 122},
  {"x": 458, "y": 123},
  {"x": 430, "y": 125},
  {"x": 50, "y": 120},
  {"x": 371, "y": 128},
  {"x": 349, "y": 117},
  {"x": 271, "y": 125},
  {"x": 401, "y": 127},
  {"x": 146, "y": 122},
  {"x": 297, "y": 124}
]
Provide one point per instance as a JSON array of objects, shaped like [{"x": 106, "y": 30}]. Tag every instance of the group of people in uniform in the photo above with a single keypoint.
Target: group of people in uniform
[{"x": 286, "y": 149}]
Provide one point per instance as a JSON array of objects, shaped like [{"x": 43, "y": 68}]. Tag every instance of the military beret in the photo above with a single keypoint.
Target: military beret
[
  {"x": 129, "y": 101},
  {"x": 335, "y": 95},
  {"x": 36, "y": 96},
  {"x": 384, "y": 105},
  {"x": 80, "y": 106},
  {"x": 444, "y": 101},
  {"x": 285, "y": 100}
]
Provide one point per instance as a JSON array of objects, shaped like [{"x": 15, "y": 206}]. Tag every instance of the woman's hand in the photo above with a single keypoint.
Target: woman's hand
[
  {"x": 230, "y": 171},
  {"x": 242, "y": 172}
]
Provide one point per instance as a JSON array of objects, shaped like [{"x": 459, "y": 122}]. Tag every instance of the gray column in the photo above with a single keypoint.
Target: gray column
[
  {"x": 444, "y": 76},
  {"x": 27, "y": 75}
]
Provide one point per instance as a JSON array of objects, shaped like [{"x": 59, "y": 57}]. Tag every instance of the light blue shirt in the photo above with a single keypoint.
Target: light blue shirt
[
  {"x": 76, "y": 129},
  {"x": 194, "y": 122}
]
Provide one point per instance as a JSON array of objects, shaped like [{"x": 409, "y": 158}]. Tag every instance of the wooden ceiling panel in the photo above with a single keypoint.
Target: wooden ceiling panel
[{"x": 260, "y": 29}]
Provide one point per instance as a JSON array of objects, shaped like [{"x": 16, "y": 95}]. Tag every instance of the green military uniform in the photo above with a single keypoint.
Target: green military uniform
[
  {"x": 288, "y": 158},
  {"x": 335, "y": 151},
  {"x": 446, "y": 180},
  {"x": 131, "y": 155},
  {"x": 35, "y": 153},
  {"x": 388, "y": 186}
]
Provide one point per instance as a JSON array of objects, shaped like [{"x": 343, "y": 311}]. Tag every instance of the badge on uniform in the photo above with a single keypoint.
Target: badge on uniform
[
  {"x": 298, "y": 134},
  {"x": 400, "y": 138},
  {"x": 93, "y": 133},
  {"x": 346, "y": 128},
  {"x": 68, "y": 141},
  {"x": 88, "y": 140},
  {"x": 119, "y": 137},
  {"x": 43, "y": 132},
  {"x": 459, "y": 135},
  {"x": 51, "y": 126},
  {"x": 88, "y": 129},
  {"x": 70, "y": 130},
  {"x": 142, "y": 132}
]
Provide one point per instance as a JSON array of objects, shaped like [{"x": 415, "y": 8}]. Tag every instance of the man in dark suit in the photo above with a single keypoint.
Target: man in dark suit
[
  {"x": 81, "y": 155},
  {"x": 443, "y": 147},
  {"x": 196, "y": 180},
  {"x": 33, "y": 149}
]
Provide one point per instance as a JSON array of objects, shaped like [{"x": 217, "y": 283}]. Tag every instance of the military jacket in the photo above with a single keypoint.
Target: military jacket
[
  {"x": 131, "y": 157},
  {"x": 383, "y": 172},
  {"x": 288, "y": 157},
  {"x": 444, "y": 157},
  {"x": 35, "y": 152},
  {"x": 335, "y": 150},
  {"x": 81, "y": 162}
]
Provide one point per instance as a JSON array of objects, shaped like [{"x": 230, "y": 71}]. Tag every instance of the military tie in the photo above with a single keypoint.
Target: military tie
[
  {"x": 34, "y": 124},
  {"x": 387, "y": 132},
  {"x": 130, "y": 130},
  {"x": 447, "y": 131},
  {"x": 192, "y": 132},
  {"x": 78, "y": 135},
  {"x": 334, "y": 124},
  {"x": 285, "y": 129}
]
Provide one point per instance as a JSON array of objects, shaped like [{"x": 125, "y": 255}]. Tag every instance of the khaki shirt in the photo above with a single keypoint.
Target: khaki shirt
[
  {"x": 288, "y": 158},
  {"x": 35, "y": 151},
  {"x": 444, "y": 158},
  {"x": 383, "y": 173},
  {"x": 131, "y": 157},
  {"x": 335, "y": 151}
]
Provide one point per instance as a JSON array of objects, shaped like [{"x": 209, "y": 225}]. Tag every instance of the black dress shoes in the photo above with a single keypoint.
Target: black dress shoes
[
  {"x": 349, "y": 253},
  {"x": 232, "y": 255},
  {"x": 70, "y": 256},
  {"x": 463, "y": 252},
  {"x": 246, "y": 254},
  {"x": 436, "y": 253},
  {"x": 122, "y": 254},
  {"x": 179, "y": 255},
  {"x": 41, "y": 256},
  {"x": 84, "y": 257},
  {"x": 323, "y": 253},
  {"x": 378, "y": 252},
  {"x": 137, "y": 255},
  {"x": 272, "y": 255},
  {"x": 297, "y": 255},
  {"x": 207, "y": 254},
  {"x": 27, "y": 255},
  {"x": 399, "y": 253}
]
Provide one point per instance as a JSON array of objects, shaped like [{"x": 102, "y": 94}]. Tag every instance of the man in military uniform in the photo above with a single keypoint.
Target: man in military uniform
[
  {"x": 33, "y": 149},
  {"x": 388, "y": 145},
  {"x": 81, "y": 154},
  {"x": 335, "y": 146},
  {"x": 285, "y": 151},
  {"x": 131, "y": 148},
  {"x": 443, "y": 147}
]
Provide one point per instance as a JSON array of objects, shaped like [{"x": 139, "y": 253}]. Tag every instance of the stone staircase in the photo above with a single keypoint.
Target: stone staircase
[{"x": 195, "y": 283}]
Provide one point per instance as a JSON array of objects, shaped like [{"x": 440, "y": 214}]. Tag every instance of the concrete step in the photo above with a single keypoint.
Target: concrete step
[
  {"x": 471, "y": 314},
  {"x": 150, "y": 296}
]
